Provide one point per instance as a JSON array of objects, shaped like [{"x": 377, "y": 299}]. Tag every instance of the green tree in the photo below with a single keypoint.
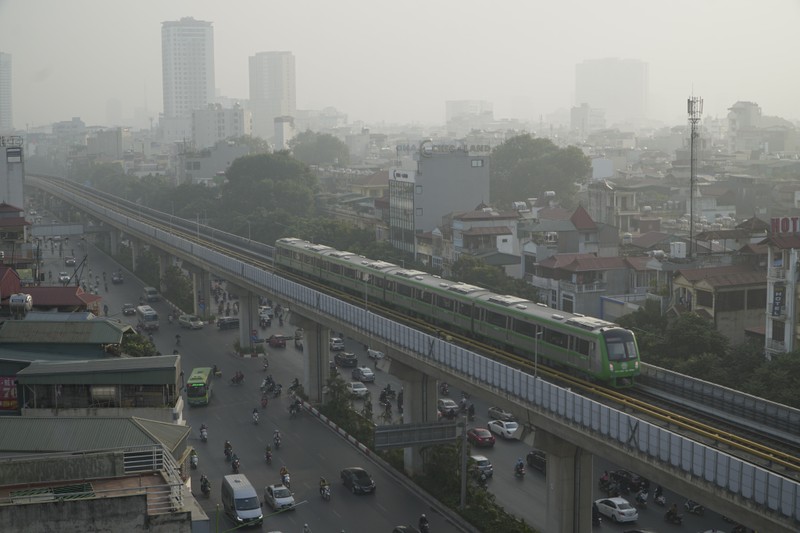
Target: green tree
[
  {"x": 320, "y": 149},
  {"x": 525, "y": 167},
  {"x": 136, "y": 345},
  {"x": 178, "y": 288}
]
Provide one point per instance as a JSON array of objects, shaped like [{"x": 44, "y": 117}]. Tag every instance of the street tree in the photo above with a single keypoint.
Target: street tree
[{"x": 321, "y": 149}]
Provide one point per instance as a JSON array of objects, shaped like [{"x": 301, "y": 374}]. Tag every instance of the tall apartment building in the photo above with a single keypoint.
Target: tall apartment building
[
  {"x": 435, "y": 180},
  {"x": 187, "y": 62},
  {"x": 6, "y": 122},
  {"x": 272, "y": 90},
  {"x": 618, "y": 86}
]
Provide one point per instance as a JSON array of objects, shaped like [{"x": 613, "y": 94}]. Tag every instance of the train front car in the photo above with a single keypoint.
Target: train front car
[{"x": 621, "y": 357}]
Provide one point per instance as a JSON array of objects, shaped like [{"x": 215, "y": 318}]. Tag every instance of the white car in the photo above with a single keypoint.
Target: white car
[
  {"x": 265, "y": 311},
  {"x": 279, "y": 497},
  {"x": 190, "y": 321},
  {"x": 63, "y": 277},
  {"x": 337, "y": 344},
  {"x": 504, "y": 428},
  {"x": 358, "y": 389},
  {"x": 374, "y": 354},
  {"x": 617, "y": 509},
  {"x": 364, "y": 374}
]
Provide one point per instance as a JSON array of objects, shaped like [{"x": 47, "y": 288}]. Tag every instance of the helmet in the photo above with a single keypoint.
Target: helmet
[{"x": 423, "y": 515}]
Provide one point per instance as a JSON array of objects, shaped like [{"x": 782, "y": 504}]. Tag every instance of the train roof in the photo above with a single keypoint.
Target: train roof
[{"x": 464, "y": 291}]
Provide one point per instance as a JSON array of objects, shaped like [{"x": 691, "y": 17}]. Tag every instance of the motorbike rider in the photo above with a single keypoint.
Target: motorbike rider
[
  {"x": 519, "y": 466},
  {"x": 228, "y": 449},
  {"x": 423, "y": 522},
  {"x": 322, "y": 484},
  {"x": 672, "y": 514},
  {"x": 658, "y": 491},
  {"x": 193, "y": 457},
  {"x": 205, "y": 484},
  {"x": 471, "y": 411}
]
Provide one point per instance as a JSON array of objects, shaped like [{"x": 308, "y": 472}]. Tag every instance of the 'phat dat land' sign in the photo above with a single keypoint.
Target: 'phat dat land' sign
[{"x": 785, "y": 225}]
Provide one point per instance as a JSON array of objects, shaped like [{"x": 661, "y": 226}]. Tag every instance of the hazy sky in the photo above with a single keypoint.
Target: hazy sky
[{"x": 399, "y": 61}]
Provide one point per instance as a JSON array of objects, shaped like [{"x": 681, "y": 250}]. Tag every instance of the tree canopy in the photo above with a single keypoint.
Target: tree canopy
[
  {"x": 320, "y": 149},
  {"x": 525, "y": 167}
]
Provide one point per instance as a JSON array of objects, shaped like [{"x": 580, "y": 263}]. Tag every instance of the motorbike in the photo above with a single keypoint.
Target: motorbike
[
  {"x": 519, "y": 471},
  {"x": 424, "y": 527},
  {"x": 277, "y": 442},
  {"x": 267, "y": 384},
  {"x": 235, "y": 466},
  {"x": 294, "y": 409},
  {"x": 277, "y": 391},
  {"x": 641, "y": 499},
  {"x": 228, "y": 453},
  {"x": 444, "y": 389},
  {"x": 325, "y": 491},
  {"x": 237, "y": 379},
  {"x": 205, "y": 486},
  {"x": 204, "y": 434},
  {"x": 676, "y": 519},
  {"x": 596, "y": 518},
  {"x": 255, "y": 418},
  {"x": 193, "y": 461},
  {"x": 694, "y": 507},
  {"x": 287, "y": 481},
  {"x": 265, "y": 366},
  {"x": 268, "y": 457},
  {"x": 390, "y": 393},
  {"x": 264, "y": 401},
  {"x": 660, "y": 500}
]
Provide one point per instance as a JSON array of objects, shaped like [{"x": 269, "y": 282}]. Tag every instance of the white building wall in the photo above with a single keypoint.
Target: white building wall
[
  {"x": 187, "y": 63},
  {"x": 6, "y": 119},
  {"x": 272, "y": 90}
]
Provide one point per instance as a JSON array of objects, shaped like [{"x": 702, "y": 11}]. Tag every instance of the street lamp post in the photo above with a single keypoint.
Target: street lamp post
[{"x": 536, "y": 354}]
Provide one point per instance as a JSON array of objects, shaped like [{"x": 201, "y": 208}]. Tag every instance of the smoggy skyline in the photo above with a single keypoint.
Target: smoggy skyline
[{"x": 399, "y": 62}]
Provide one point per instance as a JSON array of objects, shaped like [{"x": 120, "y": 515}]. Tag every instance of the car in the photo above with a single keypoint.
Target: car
[
  {"x": 277, "y": 341},
  {"x": 69, "y": 261},
  {"x": 537, "y": 460},
  {"x": 626, "y": 480},
  {"x": 345, "y": 359},
  {"x": 279, "y": 497},
  {"x": 357, "y": 480},
  {"x": 617, "y": 509},
  {"x": 447, "y": 407},
  {"x": 128, "y": 309},
  {"x": 63, "y": 277},
  {"x": 374, "y": 354},
  {"x": 363, "y": 373},
  {"x": 337, "y": 344},
  {"x": 357, "y": 389},
  {"x": 504, "y": 428},
  {"x": 266, "y": 311},
  {"x": 480, "y": 437},
  {"x": 498, "y": 413},
  {"x": 190, "y": 321},
  {"x": 116, "y": 278},
  {"x": 227, "y": 322},
  {"x": 483, "y": 464}
]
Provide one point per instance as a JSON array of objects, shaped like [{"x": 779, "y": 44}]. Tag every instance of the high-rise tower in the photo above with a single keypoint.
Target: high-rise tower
[
  {"x": 272, "y": 90},
  {"x": 187, "y": 62},
  {"x": 6, "y": 122}
]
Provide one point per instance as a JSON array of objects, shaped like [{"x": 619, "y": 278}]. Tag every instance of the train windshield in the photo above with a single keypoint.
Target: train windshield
[{"x": 620, "y": 344}]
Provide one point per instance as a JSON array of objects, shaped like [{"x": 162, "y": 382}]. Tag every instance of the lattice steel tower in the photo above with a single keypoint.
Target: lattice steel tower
[{"x": 695, "y": 109}]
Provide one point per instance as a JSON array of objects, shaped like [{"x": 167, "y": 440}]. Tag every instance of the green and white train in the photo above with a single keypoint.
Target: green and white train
[{"x": 593, "y": 347}]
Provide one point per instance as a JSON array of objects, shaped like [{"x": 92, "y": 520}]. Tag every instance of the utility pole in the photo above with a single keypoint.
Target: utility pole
[
  {"x": 463, "y": 503},
  {"x": 695, "y": 109}
]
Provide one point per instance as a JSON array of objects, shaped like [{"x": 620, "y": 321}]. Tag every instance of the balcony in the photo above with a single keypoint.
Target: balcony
[
  {"x": 596, "y": 286},
  {"x": 776, "y": 273}
]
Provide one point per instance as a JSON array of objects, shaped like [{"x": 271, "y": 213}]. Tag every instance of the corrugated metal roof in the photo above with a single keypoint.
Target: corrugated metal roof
[
  {"x": 158, "y": 370},
  {"x": 64, "y": 434},
  {"x": 97, "y": 331}
]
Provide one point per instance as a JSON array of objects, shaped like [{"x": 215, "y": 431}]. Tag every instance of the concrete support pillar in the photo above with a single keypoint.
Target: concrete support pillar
[
  {"x": 315, "y": 356},
  {"x": 164, "y": 262},
  {"x": 569, "y": 484},
  {"x": 136, "y": 250},
  {"x": 419, "y": 406},
  {"x": 248, "y": 315},
  {"x": 201, "y": 293},
  {"x": 113, "y": 242}
]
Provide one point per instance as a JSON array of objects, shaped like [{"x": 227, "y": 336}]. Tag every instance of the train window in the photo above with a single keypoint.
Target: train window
[
  {"x": 336, "y": 269},
  {"x": 495, "y": 319},
  {"x": 444, "y": 303},
  {"x": 405, "y": 290},
  {"x": 464, "y": 309},
  {"x": 349, "y": 272},
  {"x": 390, "y": 285},
  {"x": 556, "y": 338},
  {"x": 426, "y": 297},
  {"x": 620, "y": 345},
  {"x": 582, "y": 346},
  {"x": 523, "y": 328}
]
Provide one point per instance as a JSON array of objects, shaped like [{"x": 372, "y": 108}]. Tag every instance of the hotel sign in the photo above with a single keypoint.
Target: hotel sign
[
  {"x": 785, "y": 225},
  {"x": 429, "y": 148}
]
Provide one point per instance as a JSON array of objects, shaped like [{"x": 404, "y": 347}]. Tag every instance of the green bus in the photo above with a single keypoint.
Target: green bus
[{"x": 198, "y": 388}]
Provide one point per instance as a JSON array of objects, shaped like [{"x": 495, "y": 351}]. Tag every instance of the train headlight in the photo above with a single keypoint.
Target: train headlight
[
  {"x": 610, "y": 367},
  {"x": 636, "y": 364}
]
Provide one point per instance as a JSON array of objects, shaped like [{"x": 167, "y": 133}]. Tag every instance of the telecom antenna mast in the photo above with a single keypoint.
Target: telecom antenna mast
[{"x": 695, "y": 109}]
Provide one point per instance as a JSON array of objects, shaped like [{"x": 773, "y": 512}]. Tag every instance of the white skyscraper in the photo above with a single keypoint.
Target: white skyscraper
[
  {"x": 187, "y": 62},
  {"x": 272, "y": 90},
  {"x": 6, "y": 122},
  {"x": 618, "y": 86}
]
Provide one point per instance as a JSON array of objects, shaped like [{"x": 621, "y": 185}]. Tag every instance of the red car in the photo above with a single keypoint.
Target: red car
[
  {"x": 277, "y": 341},
  {"x": 480, "y": 437}
]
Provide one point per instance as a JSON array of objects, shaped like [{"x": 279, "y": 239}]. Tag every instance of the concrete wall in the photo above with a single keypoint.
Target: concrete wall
[
  {"x": 128, "y": 513},
  {"x": 61, "y": 468},
  {"x": 171, "y": 415}
]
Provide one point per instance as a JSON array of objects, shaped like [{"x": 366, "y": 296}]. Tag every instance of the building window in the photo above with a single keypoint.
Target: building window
[
  {"x": 476, "y": 163},
  {"x": 419, "y": 211},
  {"x": 419, "y": 189}
]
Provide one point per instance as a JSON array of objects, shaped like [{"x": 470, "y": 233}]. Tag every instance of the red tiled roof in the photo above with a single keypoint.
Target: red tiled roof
[
  {"x": 581, "y": 219},
  {"x": 783, "y": 242},
  {"x": 646, "y": 240},
  {"x": 60, "y": 296},
  {"x": 553, "y": 213},
  {"x": 754, "y": 248},
  {"x": 638, "y": 263},
  {"x": 724, "y": 276},
  {"x": 9, "y": 282},
  {"x": 487, "y": 215},
  {"x": 10, "y": 222},
  {"x": 8, "y": 208},
  {"x": 562, "y": 260},
  {"x": 591, "y": 264}
]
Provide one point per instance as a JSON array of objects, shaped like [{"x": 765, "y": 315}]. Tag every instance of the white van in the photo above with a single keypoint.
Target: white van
[
  {"x": 147, "y": 318},
  {"x": 240, "y": 500}
]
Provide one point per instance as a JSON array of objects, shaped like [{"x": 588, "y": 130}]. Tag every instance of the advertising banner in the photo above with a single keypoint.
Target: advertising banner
[{"x": 8, "y": 394}]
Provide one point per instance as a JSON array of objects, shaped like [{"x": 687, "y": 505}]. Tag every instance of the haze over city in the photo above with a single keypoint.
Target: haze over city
[{"x": 398, "y": 62}]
